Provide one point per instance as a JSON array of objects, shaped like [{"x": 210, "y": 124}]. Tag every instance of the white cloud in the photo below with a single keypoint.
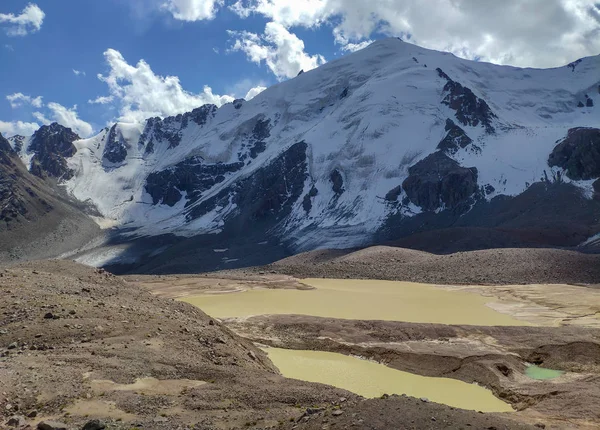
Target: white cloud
[
  {"x": 101, "y": 100},
  {"x": 78, "y": 72},
  {"x": 539, "y": 33},
  {"x": 282, "y": 51},
  {"x": 254, "y": 92},
  {"x": 353, "y": 47},
  {"x": 143, "y": 94},
  {"x": 19, "y": 99},
  {"x": 42, "y": 118},
  {"x": 12, "y": 128},
  {"x": 69, "y": 118},
  {"x": 193, "y": 10},
  {"x": 29, "y": 21},
  {"x": 66, "y": 117}
]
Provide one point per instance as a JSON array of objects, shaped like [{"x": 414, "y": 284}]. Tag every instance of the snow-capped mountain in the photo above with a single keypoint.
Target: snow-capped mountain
[{"x": 388, "y": 134}]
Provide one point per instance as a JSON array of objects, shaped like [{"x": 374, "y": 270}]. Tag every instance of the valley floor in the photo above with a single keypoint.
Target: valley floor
[{"x": 78, "y": 344}]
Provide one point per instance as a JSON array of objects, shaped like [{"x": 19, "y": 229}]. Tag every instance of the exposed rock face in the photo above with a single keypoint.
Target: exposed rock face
[
  {"x": 578, "y": 154},
  {"x": 115, "y": 150},
  {"x": 393, "y": 194},
  {"x": 51, "y": 145},
  {"x": 170, "y": 128},
  {"x": 470, "y": 109},
  {"x": 261, "y": 131},
  {"x": 440, "y": 182},
  {"x": 17, "y": 142},
  {"x": 588, "y": 101},
  {"x": 455, "y": 139},
  {"x": 337, "y": 181},
  {"x": 191, "y": 176},
  {"x": 307, "y": 202},
  {"x": 596, "y": 186},
  {"x": 267, "y": 195},
  {"x": 18, "y": 200}
]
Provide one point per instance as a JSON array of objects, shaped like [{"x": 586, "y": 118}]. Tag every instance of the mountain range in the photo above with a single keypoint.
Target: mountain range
[{"x": 392, "y": 144}]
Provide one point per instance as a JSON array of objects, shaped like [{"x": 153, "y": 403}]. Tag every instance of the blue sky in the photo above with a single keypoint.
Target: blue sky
[{"x": 234, "y": 46}]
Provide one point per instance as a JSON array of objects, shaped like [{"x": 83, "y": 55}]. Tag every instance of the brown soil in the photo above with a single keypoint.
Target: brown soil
[{"x": 78, "y": 343}]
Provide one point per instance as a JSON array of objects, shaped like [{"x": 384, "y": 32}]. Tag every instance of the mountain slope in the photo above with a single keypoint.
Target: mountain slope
[
  {"x": 384, "y": 143},
  {"x": 36, "y": 221}
]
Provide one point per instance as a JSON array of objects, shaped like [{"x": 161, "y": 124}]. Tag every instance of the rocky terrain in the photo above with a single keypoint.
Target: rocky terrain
[
  {"x": 564, "y": 335},
  {"x": 486, "y": 267},
  {"x": 81, "y": 348},
  {"x": 36, "y": 219}
]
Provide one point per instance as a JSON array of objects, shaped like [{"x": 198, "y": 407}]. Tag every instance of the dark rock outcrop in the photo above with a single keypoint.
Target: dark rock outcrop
[
  {"x": 470, "y": 109},
  {"x": 266, "y": 196},
  {"x": 261, "y": 131},
  {"x": 337, "y": 181},
  {"x": 51, "y": 145},
  {"x": 307, "y": 202},
  {"x": 440, "y": 182},
  {"x": 192, "y": 176},
  {"x": 170, "y": 129},
  {"x": 574, "y": 64},
  {"x": 589, "y": 102},
  {"x": 115, "y": 149},
  {"x": 596, "y": 186},
  {"x": 393, "y": 194},
  {"x": 455, "y": 139},
  {"x": 17, "y": 142},
  {"x": 578, "y": 154},
  {"x": 18, "y": 200}
]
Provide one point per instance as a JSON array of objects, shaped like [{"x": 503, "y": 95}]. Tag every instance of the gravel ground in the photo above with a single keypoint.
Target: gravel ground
[{"x": 487, "y": 267}]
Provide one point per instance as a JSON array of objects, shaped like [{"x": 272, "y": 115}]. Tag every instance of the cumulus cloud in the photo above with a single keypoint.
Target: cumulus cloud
[
  {"x": 28, "y": 21},
  {"x": 70, "y": 118},
  {"x": 41, "y": 118},
  {"x": 13, "y": 128},
  {"x": 143, "y": 94},
  {"x": 78, "y": 72},
  {"x": 254, "y": 92},
  {"x": 19, "y": 99},
  {"x": 539, "y": 33},
  {"x": 353, "y": 47},
  {"x": 101, "y": 100},
  {"x": 282, "y": 51},
  {"x": 193, "y": 10}
]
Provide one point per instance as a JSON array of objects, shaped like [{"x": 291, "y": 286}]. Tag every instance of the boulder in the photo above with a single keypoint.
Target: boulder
[
  {"x": 52, "y": 425},
  {"x": 94, "y": 425}
]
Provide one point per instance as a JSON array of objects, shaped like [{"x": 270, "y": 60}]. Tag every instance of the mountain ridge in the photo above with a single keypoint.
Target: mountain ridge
[{"x": 387, "y": 142}]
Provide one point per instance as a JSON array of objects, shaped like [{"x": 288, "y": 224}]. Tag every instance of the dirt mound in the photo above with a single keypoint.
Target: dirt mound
[
  {"x": 79, "y": 343},
  {"x": 486, "y": 267},
  {"x": 401, "y": 413}
]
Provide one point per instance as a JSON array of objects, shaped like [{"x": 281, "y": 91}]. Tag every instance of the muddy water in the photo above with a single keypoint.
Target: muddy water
[
  {"x": 372, "y": 379},
  {"x": 361, "y": 300}
]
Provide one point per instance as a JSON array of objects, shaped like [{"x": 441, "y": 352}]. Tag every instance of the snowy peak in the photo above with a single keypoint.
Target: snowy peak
[{"x": 391, "y": 132}]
